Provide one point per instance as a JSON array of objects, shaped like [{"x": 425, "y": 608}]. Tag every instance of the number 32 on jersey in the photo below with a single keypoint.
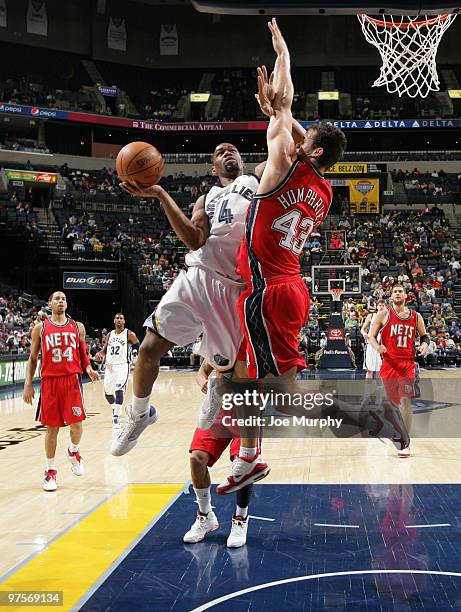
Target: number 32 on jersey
[{"x": 289, "y": 225}]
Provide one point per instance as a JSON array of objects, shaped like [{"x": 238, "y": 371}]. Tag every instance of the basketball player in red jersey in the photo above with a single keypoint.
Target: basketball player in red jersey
[
  {"x": 399, "y": 327},
  {"x": 206, "y": 448},
  {"x": 64, "y": 356},
  {"x": 292, "y": 199}
]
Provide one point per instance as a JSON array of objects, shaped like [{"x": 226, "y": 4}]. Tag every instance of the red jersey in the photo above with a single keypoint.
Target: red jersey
[
  {"x": 60, "y": 349},
  {"x": 398, "y": 336},
  {"x": 278, "y": 223}
]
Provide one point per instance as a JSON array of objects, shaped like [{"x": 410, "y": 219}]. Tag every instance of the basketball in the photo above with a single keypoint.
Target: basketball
[{"x": 140, "y": 162}]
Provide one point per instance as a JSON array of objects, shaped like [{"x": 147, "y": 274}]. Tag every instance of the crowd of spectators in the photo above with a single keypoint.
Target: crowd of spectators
[
  {"x": 158, "y": 101},
  {"x": 19, "y": 312},
  {"x": 435, "y": 184}
]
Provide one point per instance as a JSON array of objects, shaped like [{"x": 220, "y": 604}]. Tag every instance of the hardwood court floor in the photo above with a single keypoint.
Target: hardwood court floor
[{"x": 30, "y": 518}]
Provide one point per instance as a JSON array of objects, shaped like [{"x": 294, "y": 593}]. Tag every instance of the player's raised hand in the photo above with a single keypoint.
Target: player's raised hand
[
  {"x": 92, "y": 374},
  {"x": 28, "y": 394},
  {"x": 266, "y": 92},
  {"x": 278, "y": 42},
  {"x": 155, "y": 191}
]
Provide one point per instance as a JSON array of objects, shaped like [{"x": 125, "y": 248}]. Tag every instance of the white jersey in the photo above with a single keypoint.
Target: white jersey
[
  {"x": 226, "y": 208},
  {"x": 117, "y": 352},
  {"x": 372, "y": 357}
]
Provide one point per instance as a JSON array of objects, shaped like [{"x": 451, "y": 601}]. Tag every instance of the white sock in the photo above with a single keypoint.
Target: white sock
[
  {"x": 140, "y": 404},
  {"x": 203, "y": 499},
  {"x": 117, "y": 410},
  {"x": 50, "y": 464},
  {"x": 247, "y": 452},
  {"x": 73, "y": 447},
  {"x": 243, "y": 512}
]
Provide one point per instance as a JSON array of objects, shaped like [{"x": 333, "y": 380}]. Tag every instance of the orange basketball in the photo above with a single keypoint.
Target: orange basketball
[{"x": 140, "y": 162}]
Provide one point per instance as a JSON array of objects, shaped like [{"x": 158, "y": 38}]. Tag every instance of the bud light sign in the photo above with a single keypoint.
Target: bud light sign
[{"x": 88, "y": 280}]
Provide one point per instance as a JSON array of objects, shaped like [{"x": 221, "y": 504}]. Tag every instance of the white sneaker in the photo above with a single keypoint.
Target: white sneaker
[
  {"x": 243, "y": 473},
  {"x": 49, "y": 482},
  {"x": 134, "y": 426},
  {"x": 76, "y": 463},
  {"x": 238, "y": 534},
  {"x": 204, "y": 523},
  {"x": 210, "y": 407},
  {"x": 404, "y": 452}
]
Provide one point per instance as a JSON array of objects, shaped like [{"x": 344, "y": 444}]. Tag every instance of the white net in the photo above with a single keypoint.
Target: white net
[
  {"x": 408, "y": 48},
  {"x": 336, "y": 293}
]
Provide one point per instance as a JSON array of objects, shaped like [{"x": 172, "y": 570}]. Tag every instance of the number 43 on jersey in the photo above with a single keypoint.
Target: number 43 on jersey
[{"x": 289, "y": 225}]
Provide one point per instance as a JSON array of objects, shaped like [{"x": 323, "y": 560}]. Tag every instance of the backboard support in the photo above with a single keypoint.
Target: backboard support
[{"x": 330, "y": 7}]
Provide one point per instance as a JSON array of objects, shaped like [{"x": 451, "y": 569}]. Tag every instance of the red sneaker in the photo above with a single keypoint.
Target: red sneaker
[{"x": 244, "y": 472}]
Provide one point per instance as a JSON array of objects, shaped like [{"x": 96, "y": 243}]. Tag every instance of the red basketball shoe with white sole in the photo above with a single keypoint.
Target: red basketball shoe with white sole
[{"x": 244, "y": 472}]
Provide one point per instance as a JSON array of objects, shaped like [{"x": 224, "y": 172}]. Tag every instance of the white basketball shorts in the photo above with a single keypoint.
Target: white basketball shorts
[
  {"x": 201, "y": 301},
  {"x": 116, "y": 378}
]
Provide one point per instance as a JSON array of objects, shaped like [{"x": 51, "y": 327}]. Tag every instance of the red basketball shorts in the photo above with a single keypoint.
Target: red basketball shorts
[
  {"x": 272, "y": 315},
  {"x": 399, "y": 382},
  {"x": 61, "y": 401},
  {"x": 215, "y": 440}
]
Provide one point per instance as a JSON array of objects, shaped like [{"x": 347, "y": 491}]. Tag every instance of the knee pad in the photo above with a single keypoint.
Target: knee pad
[
  {"x": 119, "y": 397},
  {"x": 110, "y": 398}
]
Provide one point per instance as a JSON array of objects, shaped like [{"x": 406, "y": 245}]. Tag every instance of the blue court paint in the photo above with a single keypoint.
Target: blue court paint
[{"x": 379, "y": 565}]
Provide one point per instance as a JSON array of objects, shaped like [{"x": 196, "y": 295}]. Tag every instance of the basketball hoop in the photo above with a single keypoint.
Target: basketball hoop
[
  {"x": 336, "y": 293},
  {"x": 408, "y": 48}
]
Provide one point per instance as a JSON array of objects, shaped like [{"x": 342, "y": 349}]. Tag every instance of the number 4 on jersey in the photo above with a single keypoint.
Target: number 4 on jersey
[
  {"x": 288, "y": 224},
  {"x": 225, "y": 214}
]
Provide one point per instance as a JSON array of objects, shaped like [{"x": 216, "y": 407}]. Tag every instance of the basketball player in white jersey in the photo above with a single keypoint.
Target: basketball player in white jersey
[
  {"x": 372, "y": 361},
  {"x": 116, "y": 353},
  {"x": 203, "y": 299}
]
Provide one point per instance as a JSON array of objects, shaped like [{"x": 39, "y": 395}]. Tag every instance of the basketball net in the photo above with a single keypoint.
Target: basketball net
[
  {"x": 336, "y": 293},
  {"x": 408, "y": 48}
]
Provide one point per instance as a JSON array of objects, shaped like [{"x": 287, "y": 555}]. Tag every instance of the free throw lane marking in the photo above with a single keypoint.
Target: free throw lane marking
[{"x": 98, "y": 540}]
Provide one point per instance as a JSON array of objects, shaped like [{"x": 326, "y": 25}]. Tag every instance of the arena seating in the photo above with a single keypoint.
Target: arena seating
[
  {"x": 155, "y": 93},
  {"x": 19, "y": 311}
]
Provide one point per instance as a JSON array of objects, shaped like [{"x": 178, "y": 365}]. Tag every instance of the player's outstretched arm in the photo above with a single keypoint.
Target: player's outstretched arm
[
  {"x": 193, "y": 232},
  {"x": 280, "y": 144},
  {"x": 373, "y": 337},
  {"x": 265, "y": 98},
  {"x": 29, "y": 392},
  {"x": 282, "y": 83}
]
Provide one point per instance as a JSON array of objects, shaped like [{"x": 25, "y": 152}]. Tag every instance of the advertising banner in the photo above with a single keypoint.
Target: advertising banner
[
  {"x": 13, "y": 370},
  {"x": 364, "y": 195},
  {"x": 216, "y": 126},
  {"x": 31, "y": 176},
  {"x": 107, "y": 281},
  {"x": 348, "y": 169}
]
